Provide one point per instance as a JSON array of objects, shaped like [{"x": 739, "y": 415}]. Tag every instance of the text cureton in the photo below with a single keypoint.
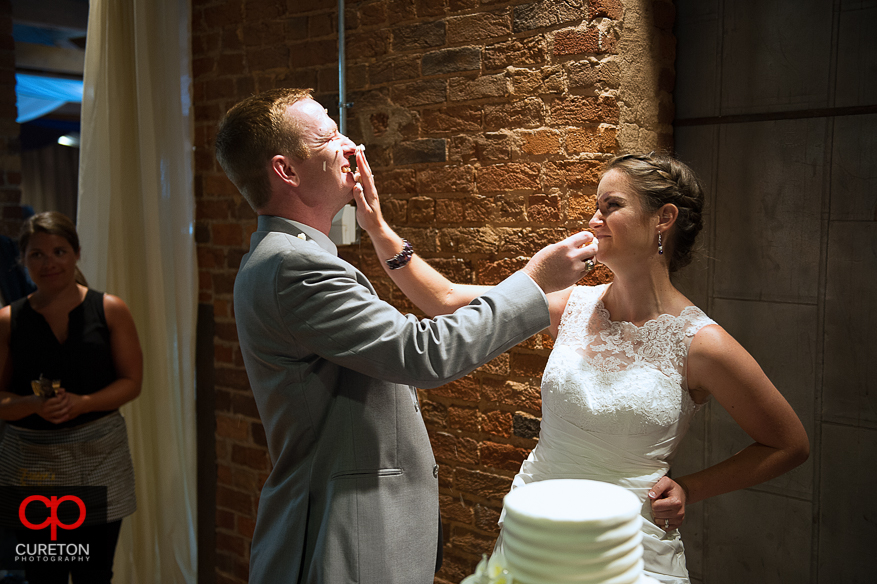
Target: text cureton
[{"x": 52, "y": 549}]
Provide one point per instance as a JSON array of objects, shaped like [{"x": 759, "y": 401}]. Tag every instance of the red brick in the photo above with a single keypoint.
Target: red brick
[
  {"x": 373, "y": 14},
  {"x": 613, "y": 9},
  {"x": 234, "y": 428},
  {"x": 527, "y": 365},
  {"x": 513, "y": 393},
  {"x": 497, "y": 366},
  {"x": 472, "y": 542},
  {"x": 581, "y": 208},
  {"x": 508, "y": 177},
  {"x": 401, "y": 10},
  {"x": 421, "y": 210},
  {"x": 213, "y": 209},
  {"x": 244, "y": 405},
  {"x": 540, "y": 142},
  {"x": 575, "y": 111},
  {"x": 482, "y": 87},
  {"x": 453, "y": 448},
  {"x": 446, "y": 179},
  {"x": 456, "y": 119},
  {"x": 275, "y": 57},
  {"x": 234, "y": 500},
  {"x": 469, "y": 240},
  {"x": 449, "y": 211},
  {"x": 230, "y": 543},
  {"x": 223, "y": 355},
  {"x": 245, "y": 527},
  {"x": 427, "y": 92},
  {"x": 367, "y": 45},
  {"x": 466, "y": 388},
  {"x": 224, "y": 519},
  {"x": 519, "y": 52},
  {"x": 576, "y": 174},
  {"x": 312, "y": 53},
  {"x": 497, "y": 423},
  {"x": 502, "y": 456},
  {"x": 266, "y": 32},
  {"x": 594, "y": 139},
  {"x": 479, "y": 209},
  {"x": 577, "y": 41},
  {"x": 527, "y": 113},
  {"x": 541, "y": 81},
  {"x": 478, "y": 27},
  {"x": 255, "y": 458},
  {"x": 482, "y": 484},
  {"x": 434, "y": 414},
  {"x": 455, "y": 509},
  {"x": 544, "y": 208},
  {"x": 487, "y": 147},
  {"x": 463, "y": 418},
  {"x": 486, "y": 518}
]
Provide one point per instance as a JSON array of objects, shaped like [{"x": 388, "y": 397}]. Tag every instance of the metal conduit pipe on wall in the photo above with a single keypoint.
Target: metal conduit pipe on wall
[{"x": 344, "y": 229}]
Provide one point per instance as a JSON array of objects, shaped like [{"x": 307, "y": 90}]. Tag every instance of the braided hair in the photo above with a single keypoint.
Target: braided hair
[{"x": 659, "y": 180}]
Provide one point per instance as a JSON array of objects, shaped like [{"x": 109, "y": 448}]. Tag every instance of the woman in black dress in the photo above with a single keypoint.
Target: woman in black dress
[{"x": 86, "y": 343}]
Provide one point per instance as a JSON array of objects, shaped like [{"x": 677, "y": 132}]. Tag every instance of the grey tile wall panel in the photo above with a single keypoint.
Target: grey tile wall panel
[
  {"x": 776, "y": 56},
  {"x": 758, "y": 537},
  {"x": 850, "y": 378},
  {"x": 768, "y": 210},
  {"x": 847, "y": 509},
  {"x": 857, "y": 54},
  {"x": 854, "y": 168}
]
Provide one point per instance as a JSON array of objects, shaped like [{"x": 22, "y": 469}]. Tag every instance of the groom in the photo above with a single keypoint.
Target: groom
[{"x": 353, "y": 494}]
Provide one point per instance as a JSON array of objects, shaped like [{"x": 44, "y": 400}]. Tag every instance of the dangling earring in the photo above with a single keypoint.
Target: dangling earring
[{"x": 660, "y": 247}]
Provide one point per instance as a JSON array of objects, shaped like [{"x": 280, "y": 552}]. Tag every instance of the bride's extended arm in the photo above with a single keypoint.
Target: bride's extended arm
[{"x": 718, "y": 365}]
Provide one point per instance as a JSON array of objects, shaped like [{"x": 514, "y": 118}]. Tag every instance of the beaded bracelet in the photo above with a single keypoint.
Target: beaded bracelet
[{"x": 402, "y": 258}]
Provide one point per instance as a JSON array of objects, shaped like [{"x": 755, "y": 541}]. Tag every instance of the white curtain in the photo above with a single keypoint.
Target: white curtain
[{"x": 136, "y": 207}]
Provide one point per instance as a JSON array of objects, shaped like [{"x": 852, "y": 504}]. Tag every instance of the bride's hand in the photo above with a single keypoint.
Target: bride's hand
[{"x": 668, "y": 503}]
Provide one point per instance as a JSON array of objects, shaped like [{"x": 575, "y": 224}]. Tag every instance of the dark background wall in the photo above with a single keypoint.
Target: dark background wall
[{"x": 776, "y": 107}]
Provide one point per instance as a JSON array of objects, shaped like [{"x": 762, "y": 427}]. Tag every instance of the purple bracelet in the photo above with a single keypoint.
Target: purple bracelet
[{"x": 402, "y": 258}]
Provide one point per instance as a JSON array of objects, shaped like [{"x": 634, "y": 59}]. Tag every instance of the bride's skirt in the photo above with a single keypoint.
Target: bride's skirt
[{"x": 568, "y": 452}]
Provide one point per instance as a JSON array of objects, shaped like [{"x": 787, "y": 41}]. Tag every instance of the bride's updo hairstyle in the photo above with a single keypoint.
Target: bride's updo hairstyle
[{"x": 659, "y": 180}]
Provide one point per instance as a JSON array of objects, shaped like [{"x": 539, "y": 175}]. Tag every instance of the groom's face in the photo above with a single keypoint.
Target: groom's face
[{"x": 327, "y": 169}]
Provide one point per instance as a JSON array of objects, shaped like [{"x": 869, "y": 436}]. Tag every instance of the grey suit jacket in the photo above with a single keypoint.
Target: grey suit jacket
[{"x": 353, "y": 494}]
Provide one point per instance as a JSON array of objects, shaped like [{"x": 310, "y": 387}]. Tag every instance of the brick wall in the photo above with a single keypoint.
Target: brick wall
[
  {"x": 486, "y": 123},
  {"x": 10, "y": 149}
]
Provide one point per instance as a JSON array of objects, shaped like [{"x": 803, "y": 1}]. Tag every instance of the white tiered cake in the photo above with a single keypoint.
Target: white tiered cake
[{"x": 570, "y": 531}]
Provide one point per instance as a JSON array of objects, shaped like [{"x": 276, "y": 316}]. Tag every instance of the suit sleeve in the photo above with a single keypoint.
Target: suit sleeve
[{"x": 329, "y": 312}]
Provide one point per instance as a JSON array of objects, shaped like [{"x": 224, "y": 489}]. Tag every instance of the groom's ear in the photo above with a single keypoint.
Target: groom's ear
[{"x": 284, "y": 169}]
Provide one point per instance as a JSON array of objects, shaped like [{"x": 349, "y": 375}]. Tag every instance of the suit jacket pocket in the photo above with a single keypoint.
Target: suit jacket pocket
[{"x": 366, "y": 473}]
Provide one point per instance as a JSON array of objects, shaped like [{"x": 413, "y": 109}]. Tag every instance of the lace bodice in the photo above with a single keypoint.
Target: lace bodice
[{"x": 619, "y": 379}]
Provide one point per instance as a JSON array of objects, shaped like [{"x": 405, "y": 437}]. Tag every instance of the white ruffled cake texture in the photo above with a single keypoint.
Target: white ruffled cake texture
[{"x": 568, "y": 531}]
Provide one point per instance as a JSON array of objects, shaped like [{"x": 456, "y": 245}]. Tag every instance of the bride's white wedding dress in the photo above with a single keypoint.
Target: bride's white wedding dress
[{"x": 615, "y": 406}]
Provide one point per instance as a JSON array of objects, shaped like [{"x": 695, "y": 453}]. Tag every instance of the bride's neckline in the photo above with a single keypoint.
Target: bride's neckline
[{"x": 663, "y": 317}]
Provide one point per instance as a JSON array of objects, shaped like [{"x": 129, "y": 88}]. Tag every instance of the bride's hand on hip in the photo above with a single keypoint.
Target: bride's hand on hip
[{"x": 668, "y": 503}]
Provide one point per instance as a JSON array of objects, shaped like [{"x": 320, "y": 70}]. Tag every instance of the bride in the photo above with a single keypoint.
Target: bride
[{"x": 633, "y": 360}]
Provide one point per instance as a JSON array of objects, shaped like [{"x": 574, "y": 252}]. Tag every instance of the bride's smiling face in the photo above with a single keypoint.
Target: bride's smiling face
[{"x": 625, "y": 231}]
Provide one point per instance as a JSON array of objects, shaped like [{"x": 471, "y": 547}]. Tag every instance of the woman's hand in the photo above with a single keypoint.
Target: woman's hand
[
  {"x": 368, "y": 206},
  {"x": 54, "y": 409},
  {"x": 668, "y": 503}
]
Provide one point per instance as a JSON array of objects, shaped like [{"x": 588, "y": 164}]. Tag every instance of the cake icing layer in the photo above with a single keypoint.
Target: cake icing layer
[{"x": 572, "y": 531}]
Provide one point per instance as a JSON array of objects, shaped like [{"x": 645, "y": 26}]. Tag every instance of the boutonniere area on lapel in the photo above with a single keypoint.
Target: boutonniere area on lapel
[{"x": 302, "y": 236}]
